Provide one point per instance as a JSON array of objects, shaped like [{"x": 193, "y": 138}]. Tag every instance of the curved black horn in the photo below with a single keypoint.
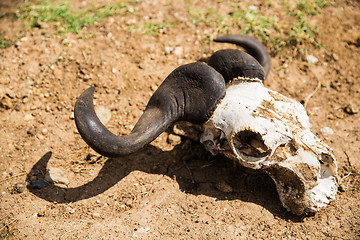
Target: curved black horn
[
  {"x": 233, "y": 63},
  {"x": 190, "y": 93},
  {"x": 253, "y": 46}
]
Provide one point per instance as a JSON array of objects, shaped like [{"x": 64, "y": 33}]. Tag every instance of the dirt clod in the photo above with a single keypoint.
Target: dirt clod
[{"x": 6, "y": 103}]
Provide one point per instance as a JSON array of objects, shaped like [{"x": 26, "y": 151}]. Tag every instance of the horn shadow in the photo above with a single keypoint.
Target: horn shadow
[{"x": 196, "y": 171}]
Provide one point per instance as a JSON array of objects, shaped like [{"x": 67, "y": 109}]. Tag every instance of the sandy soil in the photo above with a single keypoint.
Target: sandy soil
[{"x": 173, "y": 189}]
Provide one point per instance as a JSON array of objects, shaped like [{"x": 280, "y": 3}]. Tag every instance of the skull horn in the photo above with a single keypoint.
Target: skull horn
[
  {"x": 233, "y": 63},
  {"x": 253, "y": 46},
  {"x": 190, "y": 93}
]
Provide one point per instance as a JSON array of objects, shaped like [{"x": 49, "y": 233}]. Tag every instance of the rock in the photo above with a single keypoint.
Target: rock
[
  {"x": 38, "y": 184},
  {"x": 25, "y": 99},
  {"x": 153, "y": 88},
  {"x": 335, "y": 56},
  {"x": 6, "y": 103},
  {"x": 223, "y": 187},
  {"x": 18, "y": 188},
  {"x": 56, "y": 175},
  {"x": 326, "y": 131},
  {"x": 312, "y": 59},
  {"x": 168, "y": 49},
  {"x": 173, "y": 139},
  {"x": 28, "y": 117},
  {"x": 18, "y": 44},
  {"x": 178, "y": 51},
  {"x": 351, "y": 109},
  {"x": 103, "y": 113},
  {"x": 44, "y": 131}
]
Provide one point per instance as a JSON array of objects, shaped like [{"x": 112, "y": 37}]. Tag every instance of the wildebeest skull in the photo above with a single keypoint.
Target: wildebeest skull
[{"x": 240, "y": 118}]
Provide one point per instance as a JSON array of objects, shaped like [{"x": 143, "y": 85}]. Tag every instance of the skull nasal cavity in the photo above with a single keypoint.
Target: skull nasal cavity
[{"x": 250, "y": 144}]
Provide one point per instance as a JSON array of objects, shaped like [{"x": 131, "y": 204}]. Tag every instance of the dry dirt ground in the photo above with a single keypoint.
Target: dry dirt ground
[{"x": 172, "y": 189}]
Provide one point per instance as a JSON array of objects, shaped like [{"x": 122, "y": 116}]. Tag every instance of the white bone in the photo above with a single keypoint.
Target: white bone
[{"x": 262, "y": 129}]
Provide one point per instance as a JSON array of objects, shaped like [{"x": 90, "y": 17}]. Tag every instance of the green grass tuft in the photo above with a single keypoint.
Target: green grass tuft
[
  {"x": 287, "y": 25},
  {"x": 293, "y": 28},
  {"x": 4, "y": 43},
  {"x": 65, "y": 18}
]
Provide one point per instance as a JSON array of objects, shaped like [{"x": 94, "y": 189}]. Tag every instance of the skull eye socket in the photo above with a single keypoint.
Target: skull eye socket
[{"x": 250, "y": 144}]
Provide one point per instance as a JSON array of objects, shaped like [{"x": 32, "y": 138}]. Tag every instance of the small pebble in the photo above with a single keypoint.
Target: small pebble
[
  {"x": 44, "y": 131},
  {"x": 6, "y": 103},
  {"x": 25, "y": 99},
  {"x": 103, "y": 113},
  {"x": 18, "y": 44},
  {"x": 335, "y": 57},
  {"x": 153, "y": 87},
  {"x": 180, "y": 61},
  {"x": 351, "y": 109},
  {"x": 18, "y": 188},
  {"x": 56, "y": 175},
  {"x": 253, "y": 7},
  {"x": 312, "y": 59},
  {"x": 96, "y": 214},
  {"x": 173, "y": 139},
  {"x": 178, "y": 51},
  {"x": 169, "y": 49},
  {"x": 28, "y": 117},
  {"x": 326, "y": 131}
]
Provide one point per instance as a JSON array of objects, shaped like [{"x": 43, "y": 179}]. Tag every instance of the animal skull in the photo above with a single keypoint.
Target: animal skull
[
  {"x": 258, "y": 128},
  {"x": 262, "y": 129}
]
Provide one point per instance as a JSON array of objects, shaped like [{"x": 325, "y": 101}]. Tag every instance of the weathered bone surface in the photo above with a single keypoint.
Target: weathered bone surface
[{"x": 262, "y": 129}]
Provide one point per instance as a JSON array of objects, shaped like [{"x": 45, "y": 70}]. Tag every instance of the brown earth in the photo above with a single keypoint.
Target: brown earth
[{"x": 172, "y": 189}]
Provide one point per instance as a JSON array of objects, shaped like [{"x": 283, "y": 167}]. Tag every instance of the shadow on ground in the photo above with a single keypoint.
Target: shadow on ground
[{"x": 196, "y": 171}]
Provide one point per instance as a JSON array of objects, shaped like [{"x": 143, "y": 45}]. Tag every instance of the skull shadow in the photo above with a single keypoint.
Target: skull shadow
[{"x": 196, "y": 171}]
